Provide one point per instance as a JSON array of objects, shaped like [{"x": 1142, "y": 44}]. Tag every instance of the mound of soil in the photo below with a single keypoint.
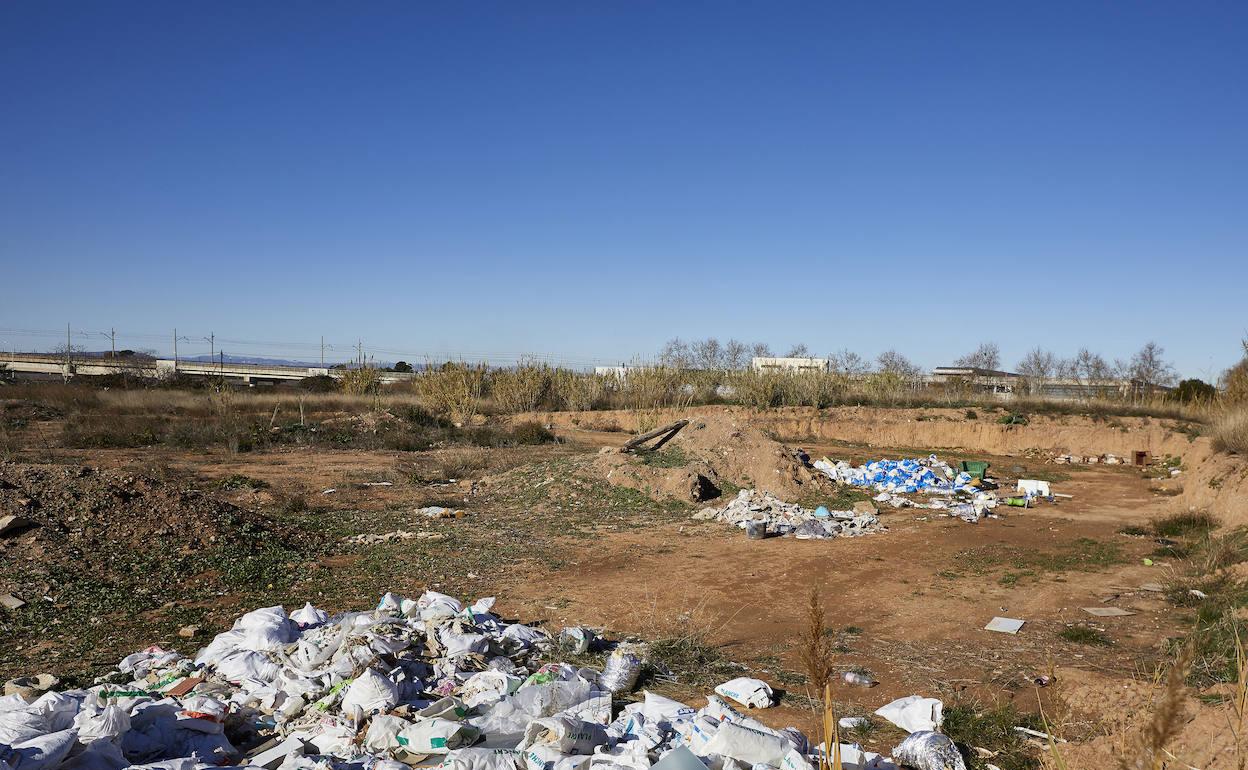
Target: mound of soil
[
  {"x": 104, "y": 524},
  {"x": 712, "y": 456}
]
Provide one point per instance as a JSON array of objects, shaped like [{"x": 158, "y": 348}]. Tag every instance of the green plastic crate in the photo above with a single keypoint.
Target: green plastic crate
[{"x": 976, "y": 468}]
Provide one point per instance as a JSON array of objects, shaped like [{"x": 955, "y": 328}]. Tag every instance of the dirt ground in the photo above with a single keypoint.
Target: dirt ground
[{"x": 908, "y": 605}]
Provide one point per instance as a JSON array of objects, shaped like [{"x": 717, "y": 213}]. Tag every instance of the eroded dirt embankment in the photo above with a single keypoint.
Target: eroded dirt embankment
[{"x": 1210, "y": 480}]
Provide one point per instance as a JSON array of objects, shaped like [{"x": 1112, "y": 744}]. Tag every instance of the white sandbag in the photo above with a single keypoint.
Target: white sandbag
[
  {"x": 914, "y": 713},
  {"x": 659, "y": 709},
  {"x": 455, "y": 644},
  {"x": 565, "y": 734},
  {"x": 542, "y": 757},
  {"x": 751, "y": 693},
  {"x": 265, "y": 629},
  {"x": 309, "y": 616},
  {"x": 526, "y": 636},
  {"x": 482, "y": 759},
  {"x": 214, "y": 748},
  {"x": 437, "y": 736},
  {"x": 97, "y": 755},
  {"x": 247, "y": 664},
  {"x": 107, "y": 722},
  {"x": 43, "y": 752},
  {"x": 449, "y": 707},
  {"x": 699, "y": 733},
  {"x": 488, "y": 686},
  {"x": 433, "y": 606},
  {"x": 383, "y": 733},
  {"x": 369, "y": 692},
  {"x": 746, "y": 745},
  {"x": 795, "y": 760},
  {"x": 628, "y": 756}
]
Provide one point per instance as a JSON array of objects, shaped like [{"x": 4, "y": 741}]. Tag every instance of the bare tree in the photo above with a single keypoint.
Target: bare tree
[
  {"x": 1149, "y": 368},
  {"x": 986, "y": 356},
  {"x": 848, "y": 363},
  {"x": 736, "y": 355},
  {"x": 676, "y": 353},
  {"x": 760, "y": 350},
  {"x": 708, "y": 354},
  {"x": 1037, "y": 366},
  {"x": 892, "y": 362},
  {"x": 798, "y": 351},
  {"x": 1086, "y": 367}
]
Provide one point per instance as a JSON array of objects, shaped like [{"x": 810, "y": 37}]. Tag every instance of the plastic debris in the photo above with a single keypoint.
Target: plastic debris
[
  {"x": 914, "y": 713},
  {"x": 928, "y": 475},
  {"x": 927, "y": 750},
  {"x": 754, "y": 510},
  {"x": 412, "y": 681},
  {"x": 751, "y": 693}
]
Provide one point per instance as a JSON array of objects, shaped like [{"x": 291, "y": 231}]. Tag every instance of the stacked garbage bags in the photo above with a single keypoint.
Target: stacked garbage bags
[{"x": 414, "y": 682}]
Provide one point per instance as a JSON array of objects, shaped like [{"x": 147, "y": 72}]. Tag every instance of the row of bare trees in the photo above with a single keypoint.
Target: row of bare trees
[{"x": 1147, "y": 366}]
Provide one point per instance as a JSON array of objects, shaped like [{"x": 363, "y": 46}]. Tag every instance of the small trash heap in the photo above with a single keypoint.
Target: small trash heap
[
  {"x": 763, "y": 513},
  {"x": 428, "y": 682},
  {"x": 957, "y": 493},
  {"x": 901, "y": 476}
]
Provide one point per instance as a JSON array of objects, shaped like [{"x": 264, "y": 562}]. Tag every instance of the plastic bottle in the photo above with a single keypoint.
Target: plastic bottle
[{"x": 859, "y": 680}]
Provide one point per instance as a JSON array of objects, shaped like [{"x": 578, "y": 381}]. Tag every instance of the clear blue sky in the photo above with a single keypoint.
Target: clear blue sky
[{"x": 592, "y": 178}]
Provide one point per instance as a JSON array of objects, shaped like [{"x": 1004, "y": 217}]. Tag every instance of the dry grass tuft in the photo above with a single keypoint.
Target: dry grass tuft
[{"x": 1230, "y": 431}]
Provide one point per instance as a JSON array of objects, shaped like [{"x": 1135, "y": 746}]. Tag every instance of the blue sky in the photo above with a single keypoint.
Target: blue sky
[{"x": 590, "y": 179}]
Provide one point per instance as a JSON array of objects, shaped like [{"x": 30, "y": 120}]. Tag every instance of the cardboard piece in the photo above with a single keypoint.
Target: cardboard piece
[
  {"x": 1004, "y": 625},
  {"x": 1107, "y": 612}
]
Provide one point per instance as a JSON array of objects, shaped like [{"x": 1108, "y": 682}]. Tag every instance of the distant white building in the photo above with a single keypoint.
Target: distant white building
[{"x": 786, "y": 364}]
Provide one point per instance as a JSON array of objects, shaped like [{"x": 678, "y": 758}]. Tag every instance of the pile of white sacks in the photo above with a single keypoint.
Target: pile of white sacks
[
  {"x": 425, "y": 682},
  {"x": 751, "y": 507}
]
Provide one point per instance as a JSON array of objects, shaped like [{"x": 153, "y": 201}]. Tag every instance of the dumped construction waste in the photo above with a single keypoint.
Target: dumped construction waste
[{"x": 423, "y": 682}]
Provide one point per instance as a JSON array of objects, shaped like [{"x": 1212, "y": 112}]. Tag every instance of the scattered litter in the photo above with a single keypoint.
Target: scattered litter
[
  {"x": 1107, "y": 612},
  {"x": 377, "y": 484},
  {"x": 439, "y": 512},
  {"x": 1004, "y": 625},
  {"x": 1196, "y": 592},
  {"x": 1033, "y": 488},
  {"x": 388, "y": 537},
  {"x": 751, "y": 693},
  {"x": 914, "y": 713},
  {"x": 1148, "y": 562},
  {"x": 859, "y": 679},
  {"x": 853, "y": 723},
  {"x": 1038, "y": 734},
  {"x": 762, "y": 513},
  {"x": 329, "y": 491},
  {"x": 9, "y": 601}
]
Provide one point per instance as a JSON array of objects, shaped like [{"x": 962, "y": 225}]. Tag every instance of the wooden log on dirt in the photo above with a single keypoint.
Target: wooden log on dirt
[{"x": 667, "y": 432}]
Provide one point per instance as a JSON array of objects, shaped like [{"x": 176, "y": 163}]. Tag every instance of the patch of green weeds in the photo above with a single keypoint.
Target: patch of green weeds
[
  {"x": 1081, "y": 634},
  {"x": 970, "y": 724}
]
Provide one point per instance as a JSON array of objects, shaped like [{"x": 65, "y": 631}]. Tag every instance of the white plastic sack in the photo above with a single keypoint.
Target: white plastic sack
[
  {"x": 437, "y": 736},
  {"x": 43, "y": 752},
  {"x": 482, "y": 759},
  {"x": 565, "y": 734},
  {"x": 751, "y": 693},
  {"x": 488, "y": 686},
  {"x": 659, "y": 709},
  {"x": 749, "y": 746},
  {"x": 265, "y": 629},
  {"x": 914, "y": 713},
  {"x": 383, "y": 733},
  {"x": 108, "y": 722},
  {"x": 368, "y": 693},
  {"x": 98, "y": 755},
  {"x": 309, "y": 616}
]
